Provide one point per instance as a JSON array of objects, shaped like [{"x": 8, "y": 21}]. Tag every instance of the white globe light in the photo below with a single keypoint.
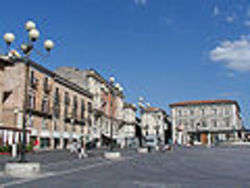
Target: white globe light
[
  {"x": 140, "y": 104},
  {"x": 141, "y": 99},
  {"x": 30, "y": 25},
  {"x": 34, "y": 34},
  {"x": 49, "y": 45},
  {"x": 121, "y": 89},
  {"x": 117, "y": 85},
  {"x": 112, "y": 79},
  {"x": 9, "y": 38}
]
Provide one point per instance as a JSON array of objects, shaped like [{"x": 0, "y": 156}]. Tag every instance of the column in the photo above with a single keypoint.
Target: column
[
  {"x": 10, "y": 138},
  {"x": 5, "y": 137},
  {"x": 52, "y": 143},
  {"x": 209, "y": 138}
]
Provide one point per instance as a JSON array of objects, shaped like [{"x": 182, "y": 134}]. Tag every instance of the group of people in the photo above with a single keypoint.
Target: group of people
[{"x": 78, "y": 148}]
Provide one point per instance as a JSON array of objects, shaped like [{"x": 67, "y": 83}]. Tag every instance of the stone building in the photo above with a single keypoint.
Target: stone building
[
  {"x": 56, "y": 109},
  {"x": 127, "y": 133},
  {"x": 205, "y": 122},
  {"x": 108, "y": 102},
  {"x": 154, "y": 122}
]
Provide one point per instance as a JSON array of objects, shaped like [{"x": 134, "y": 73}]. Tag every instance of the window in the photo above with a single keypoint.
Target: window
[
  {"x": 45, "y": 105},
  {"x": 179, "y": 113},
  {"x": 192, "y": 123},
  {"x": 203, "y": 111},
  {"x": 75, "y": 106},
  {"x": 31, "y": 101},
  {"x": 179, "y": 122},
  {"x": 82, "y": 109},
  {"x": 89, "y": 107},
  {"x": 32, "y": 78},
  {"x": 191, "y": 112},
  {"x": 227, "y": 122},
  {"x": 204, "y": 124},
  {"x": 66, "y": 104},
  {"x": 215, "y": 123},
  {"x": 227, "y": 111},
  {"x": 43, "y": 124},
  {"x": 215, "y": 111},
  {"x": 46, "y": 85},
  {"x": 57, "y": 103}
]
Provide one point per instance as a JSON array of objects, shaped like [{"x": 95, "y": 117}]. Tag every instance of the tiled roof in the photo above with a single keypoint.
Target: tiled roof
[
  {"x": 154, "y": 109},
  {"x": 200, "y": 102}
]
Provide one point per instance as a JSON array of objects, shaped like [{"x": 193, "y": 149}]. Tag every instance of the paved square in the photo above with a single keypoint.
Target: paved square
[{"x": 195, "y": 167}]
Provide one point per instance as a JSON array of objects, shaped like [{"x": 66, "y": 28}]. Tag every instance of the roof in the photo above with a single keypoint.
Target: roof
[
  {"x": 131, "y": 106},
  {"x": 56, "y": 76},
  {"x": 201, "y": 102},
  {"x": 154, "y": 109}
]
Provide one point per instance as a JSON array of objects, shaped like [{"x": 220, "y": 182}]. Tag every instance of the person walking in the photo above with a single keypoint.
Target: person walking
[{"x": 81, "y": 150}]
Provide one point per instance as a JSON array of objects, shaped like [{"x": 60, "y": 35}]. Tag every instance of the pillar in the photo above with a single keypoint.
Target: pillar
[
  {"x": 52, "y": 143},
  {"x": 209, "y": 138}
]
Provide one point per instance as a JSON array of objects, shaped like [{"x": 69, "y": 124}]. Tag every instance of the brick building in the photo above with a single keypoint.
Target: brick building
[{"x": 57, "y": 110}]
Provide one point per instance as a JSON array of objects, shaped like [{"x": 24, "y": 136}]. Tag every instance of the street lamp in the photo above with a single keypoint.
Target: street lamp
[
  {"x": 26, "y": 48},
  {"x": 9, "y": 38},
  {"x": 111, "y": 93},
  {"x": 143, "y": 105}
]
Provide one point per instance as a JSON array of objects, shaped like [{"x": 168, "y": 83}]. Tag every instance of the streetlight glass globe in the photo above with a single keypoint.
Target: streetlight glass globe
[
  {"x": 121, "y": 89},
  {"x": 112, "y": 79},
  {"x": 140, "y": 104},
  {"x": 30, "y": 25},
  {"x": 9, "y": 38},
  {"x": 34, "y": 34},
  {"x": 117, "y": 86},
  {"x": 141, "y": 99},
  {"x": 49, "y": 45}
]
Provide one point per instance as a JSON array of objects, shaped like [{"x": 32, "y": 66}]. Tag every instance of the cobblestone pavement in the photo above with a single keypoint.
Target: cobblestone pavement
[{"x": 195, "y": 167}]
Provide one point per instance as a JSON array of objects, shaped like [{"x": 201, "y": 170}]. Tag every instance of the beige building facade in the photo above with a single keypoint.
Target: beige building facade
[{"x": 205, "y": 122}]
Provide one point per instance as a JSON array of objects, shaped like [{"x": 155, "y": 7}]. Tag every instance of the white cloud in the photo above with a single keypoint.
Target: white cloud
[
  {"x": 140, "y": 2},
  {"x": 216, "y": 10},
  {"x": 234, "y": 55},
  {"x": 247, "y": 23},
  {"x": 230, "y": 19}
]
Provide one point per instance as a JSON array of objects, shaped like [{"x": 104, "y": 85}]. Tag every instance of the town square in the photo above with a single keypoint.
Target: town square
[{"x": 132, "y": 93}]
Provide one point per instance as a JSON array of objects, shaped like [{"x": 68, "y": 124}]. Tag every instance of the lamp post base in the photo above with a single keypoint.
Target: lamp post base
[
  {"x": 112, "y": 155},
  {"x": 142, "y": 150},
  {"x": 22, "y": 170}
]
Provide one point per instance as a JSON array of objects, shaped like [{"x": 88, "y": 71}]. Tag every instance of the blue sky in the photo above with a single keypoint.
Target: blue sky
[{"x": 164, "y": 50}]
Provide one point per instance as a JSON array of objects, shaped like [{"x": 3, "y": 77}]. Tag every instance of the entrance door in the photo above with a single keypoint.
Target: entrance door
[{"x": 204, "y": 138}]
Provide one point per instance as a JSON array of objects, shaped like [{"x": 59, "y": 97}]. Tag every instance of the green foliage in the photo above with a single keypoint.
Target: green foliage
[
  {"x": 5, "y": 149},
  {"x": 29, "y": 148}
]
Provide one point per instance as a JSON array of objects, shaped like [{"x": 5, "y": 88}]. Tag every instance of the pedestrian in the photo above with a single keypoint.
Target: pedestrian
[{"x": 81, "y": 151}]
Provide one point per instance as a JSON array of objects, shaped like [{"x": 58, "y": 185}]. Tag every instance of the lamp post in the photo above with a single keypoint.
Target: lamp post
[
  {"x": 33, "y": 35},
  {"x": 142, "y": 105},
  {"x": 113, "y": 88}
]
